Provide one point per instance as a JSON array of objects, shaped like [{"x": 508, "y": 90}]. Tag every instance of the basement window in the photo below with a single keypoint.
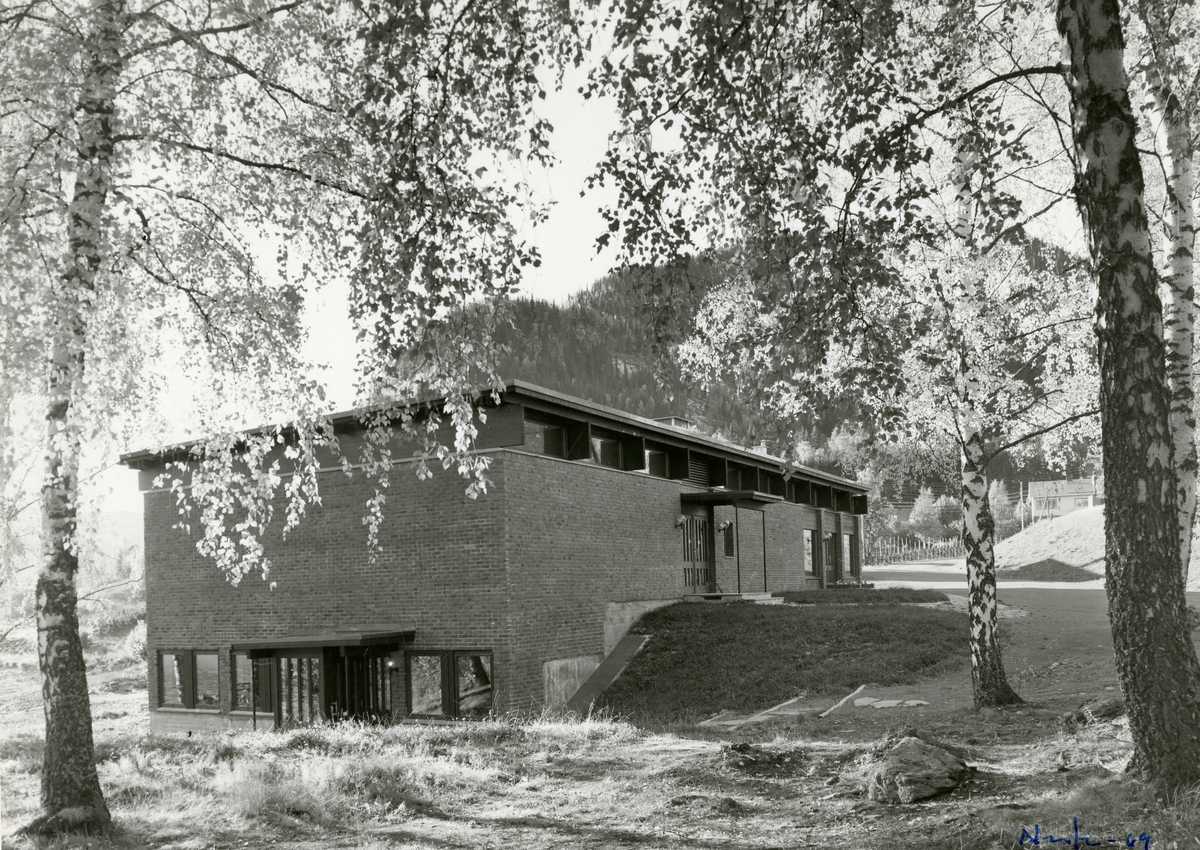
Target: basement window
[
  {"x": 188, "y": 679},
  {"x": 451, "y": 683}
]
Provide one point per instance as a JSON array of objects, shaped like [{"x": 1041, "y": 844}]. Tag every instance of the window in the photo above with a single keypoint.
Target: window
[
  {"x": 606, "y": 452},
  {"x": 188, "y": 679},
  {"x": 657, "y": 463},
  {"x": 473, "y": 697},
  {"x": 846, "y": 561},
  {"x": 1046, "y": 504},
  {"x": 1083, "y": 502},
  {"x": 450, "y": 684},
  {"x": 208, "y": 689},
  {"x": 252, "y": 684},
  {"x": 425, "y": 684},
  {"x": 172, "y": 667},
  {"x": 299, "y": 689},
  {"x": 729, "y": 542},
  {"x": 545, "y": 439},
  {"x": 810, "y": 556},
  {"x": 829, "y": 545}
]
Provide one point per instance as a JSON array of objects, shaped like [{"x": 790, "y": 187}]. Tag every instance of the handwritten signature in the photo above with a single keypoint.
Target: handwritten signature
[{"x": 1036, "y": 838}]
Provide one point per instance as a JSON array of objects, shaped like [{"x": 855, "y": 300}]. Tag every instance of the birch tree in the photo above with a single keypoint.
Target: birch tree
[
  {"x": 1157, "y": 664},
  {"x": 149, "y": 151},
  {"x": 1170, "y": 76}
]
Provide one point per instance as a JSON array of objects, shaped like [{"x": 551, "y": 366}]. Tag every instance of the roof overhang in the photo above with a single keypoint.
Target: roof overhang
[
  {"x": 753, "y": 499},
  {"x": 338, "y": 637}
]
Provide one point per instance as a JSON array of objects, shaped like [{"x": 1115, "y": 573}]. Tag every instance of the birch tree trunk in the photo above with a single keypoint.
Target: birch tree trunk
[
  {"x": 1179, "y": 300},
  {"x": 71, "y": 795},
  {"x": 989, "y": 684},
  {"x": 1159, "y": 672}
]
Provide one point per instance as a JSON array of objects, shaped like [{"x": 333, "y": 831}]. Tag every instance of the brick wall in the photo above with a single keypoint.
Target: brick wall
[
  {"x": 581, "y": 536},
  {"x": 439, "y": 570}
]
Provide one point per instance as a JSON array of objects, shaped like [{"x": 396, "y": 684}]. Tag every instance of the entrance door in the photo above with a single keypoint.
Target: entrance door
[
  {"x": 361, "y": 684},
  {"x": 699, "y": 572}
]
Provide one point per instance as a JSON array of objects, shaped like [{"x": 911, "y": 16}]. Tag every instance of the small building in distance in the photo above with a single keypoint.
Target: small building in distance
[
  {"x": 475, "y": 606},
  {"x": 1049, "y": 499}
]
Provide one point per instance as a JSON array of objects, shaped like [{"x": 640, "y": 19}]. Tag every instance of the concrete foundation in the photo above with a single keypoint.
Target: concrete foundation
[
  {"x": 564, "y": 676},
  {"x": 619, "y": 616}
]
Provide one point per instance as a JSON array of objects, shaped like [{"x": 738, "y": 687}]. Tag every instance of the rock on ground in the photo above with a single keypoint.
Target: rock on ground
[{"x": 914, "y": 770}]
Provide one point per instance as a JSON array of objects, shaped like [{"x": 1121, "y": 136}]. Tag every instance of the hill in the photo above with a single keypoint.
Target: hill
[{"x": 1075, "y": 540}]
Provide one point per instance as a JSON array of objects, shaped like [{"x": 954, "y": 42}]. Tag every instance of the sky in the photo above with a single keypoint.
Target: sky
[{"x": 566, "y": 240}]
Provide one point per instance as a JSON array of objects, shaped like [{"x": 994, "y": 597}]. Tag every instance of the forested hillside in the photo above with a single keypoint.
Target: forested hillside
[{"x": 602, "y": 346}]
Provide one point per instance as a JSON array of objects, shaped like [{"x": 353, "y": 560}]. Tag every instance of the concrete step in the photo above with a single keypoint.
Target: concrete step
[{"x": 757, "y": 598}]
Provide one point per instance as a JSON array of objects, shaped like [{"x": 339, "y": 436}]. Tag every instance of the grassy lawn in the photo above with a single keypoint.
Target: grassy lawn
[
  {"x": 842, "y": 596},
  {"x": 704, "y": 658}
]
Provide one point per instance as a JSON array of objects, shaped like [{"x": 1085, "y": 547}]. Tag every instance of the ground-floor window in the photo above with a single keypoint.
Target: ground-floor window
[
  {"x": 299, "y": 690},
  {"x": 810, "y": 553},
  {"x": 252, "y": 684},
  {"x": 188, "y": 678},
  {"x": 450, "y": 683},
  {"x": 847, "y": 563}
]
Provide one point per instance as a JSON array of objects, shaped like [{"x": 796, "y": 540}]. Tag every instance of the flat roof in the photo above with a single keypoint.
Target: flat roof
[{"x": 519, "y": 391}]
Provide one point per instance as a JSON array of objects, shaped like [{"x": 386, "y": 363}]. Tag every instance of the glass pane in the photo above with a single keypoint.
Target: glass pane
[
  {"x": 207, "y": 681},
  {"x": 425, "y": 683},
  {"x": 170, "y": 679},
  {"x": 535, "y": 437},
  {"x": 474, "y": 685},
  {"x": 245, "y": 681},
  {"x": 810, "y": 564},
  {"x": 846, "y": 553}
]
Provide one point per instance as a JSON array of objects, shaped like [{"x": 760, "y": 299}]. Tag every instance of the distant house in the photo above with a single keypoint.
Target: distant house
[
  {"x": 506, "y": 602},
  {"x": 1049, "y": 499}
]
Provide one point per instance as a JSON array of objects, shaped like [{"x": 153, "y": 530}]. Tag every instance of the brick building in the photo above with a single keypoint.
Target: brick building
[{"x": 500, "y": 603}]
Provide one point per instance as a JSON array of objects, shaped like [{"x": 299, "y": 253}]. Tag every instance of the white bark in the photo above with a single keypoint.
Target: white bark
[{"x": 1172, "y": 121}]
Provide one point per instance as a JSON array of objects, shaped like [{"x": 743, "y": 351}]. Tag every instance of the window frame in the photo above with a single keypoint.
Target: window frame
[
  {"x": 263, "y": 679},
  {"x": 449, "y": 660},
  {"x": 187, "y": 677}
]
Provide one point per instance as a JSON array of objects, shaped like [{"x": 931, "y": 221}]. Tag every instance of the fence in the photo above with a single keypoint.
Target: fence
[{"x": 892, "y": 550}]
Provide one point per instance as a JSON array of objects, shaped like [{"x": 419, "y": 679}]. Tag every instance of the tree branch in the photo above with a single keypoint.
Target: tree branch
[
  {"x": 251, "y": 163},
  {"x": 923, "y": 115},
  {"x": 185, "y": 35},
  {"x": 1040, "y": 431}
]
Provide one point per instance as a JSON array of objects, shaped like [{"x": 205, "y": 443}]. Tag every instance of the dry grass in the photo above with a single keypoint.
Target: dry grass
[{"x": 547, "y": 783}]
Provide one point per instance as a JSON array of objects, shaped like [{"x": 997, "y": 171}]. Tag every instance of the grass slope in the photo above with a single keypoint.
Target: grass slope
[
  {"x": 704, "y": 658},
  {"x": 854, "y": 596},
  {"x": 1075, "y": 540}
]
